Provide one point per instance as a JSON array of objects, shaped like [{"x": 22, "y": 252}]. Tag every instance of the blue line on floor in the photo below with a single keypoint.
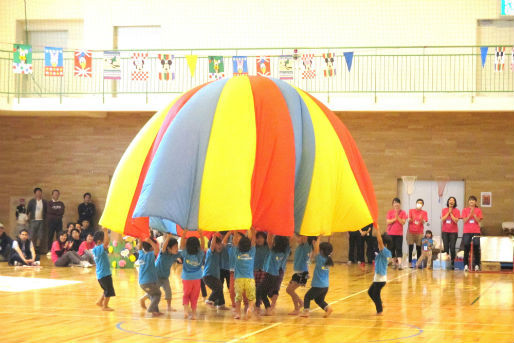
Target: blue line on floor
[
  {"x": 118, "y": 326},
  {"x": 476, "y": 299}
]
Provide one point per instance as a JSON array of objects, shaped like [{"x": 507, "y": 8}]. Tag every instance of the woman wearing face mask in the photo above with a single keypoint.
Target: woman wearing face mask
[
  {"x": 471, "y": 216},
  {"x": 449, "y": 219},
  {"x": 395, "y": 220},
  {"x": 417, "y": 219}
]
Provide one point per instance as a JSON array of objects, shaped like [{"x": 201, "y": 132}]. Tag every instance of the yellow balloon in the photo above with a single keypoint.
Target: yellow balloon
[
  {"x": 113, "y": 263},
  {"x": 110, "y": 250},
  {"x": 132, "y": 258}
]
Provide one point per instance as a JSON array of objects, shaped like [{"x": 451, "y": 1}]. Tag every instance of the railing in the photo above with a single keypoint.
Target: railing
[{"x": 437, "y": 69}]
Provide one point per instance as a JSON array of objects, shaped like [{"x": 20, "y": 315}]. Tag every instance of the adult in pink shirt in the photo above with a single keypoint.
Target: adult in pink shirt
[
  {"x": 395, "y": 220},
  {"x": 85, "y": 249},
  {"x": 417, "y": 219},
  {"x": 471, "y": 216},
  {"x": 61, "y": 254},
  {"x": 450, "y": 231}
]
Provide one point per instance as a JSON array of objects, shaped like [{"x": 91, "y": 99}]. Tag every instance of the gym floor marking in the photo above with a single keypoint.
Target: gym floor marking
[{"x": 22, "y": 284}]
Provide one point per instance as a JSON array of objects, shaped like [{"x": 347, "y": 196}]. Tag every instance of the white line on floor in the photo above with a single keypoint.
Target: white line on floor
[
  {"x": 253, "y": 333},
  {"x": 364, "y": 290}
]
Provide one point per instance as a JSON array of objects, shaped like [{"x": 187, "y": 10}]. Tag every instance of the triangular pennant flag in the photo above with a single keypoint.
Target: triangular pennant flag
[
  {"x": 483, "y": 53},
  {"x": 348, "y": 56},
  {"x": 191, "y": 62}
]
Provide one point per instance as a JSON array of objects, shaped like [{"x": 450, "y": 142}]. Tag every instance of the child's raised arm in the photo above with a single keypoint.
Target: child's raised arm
[
  {"x": 213, "y": 242},
  {"x": 251, "y": 235},
  {"x": 106, "y": 238},
  {"x": 166, "y": 242},
  {"x": 202, "y": 239},
  {"x": 226, "y": 237},
  {"x": 315, "y": 245},
  {"x": 269, "y": 240},
  {"x": 154, "y": 245},
  {"x": 183, "y": 239},
  {"x": 379, "y": 238}
]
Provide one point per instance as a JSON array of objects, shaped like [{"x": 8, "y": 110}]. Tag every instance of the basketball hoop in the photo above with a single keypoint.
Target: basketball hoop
[
  {"x": 441, "y": 185},
  {"x": 409, "y": 182}
]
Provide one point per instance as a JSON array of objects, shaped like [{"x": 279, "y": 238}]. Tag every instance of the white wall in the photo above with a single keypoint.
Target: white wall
[{"x": 265, "y": 23}]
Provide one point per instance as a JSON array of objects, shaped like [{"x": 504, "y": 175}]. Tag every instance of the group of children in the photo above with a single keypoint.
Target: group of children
[{"x": 256, "y": 263}]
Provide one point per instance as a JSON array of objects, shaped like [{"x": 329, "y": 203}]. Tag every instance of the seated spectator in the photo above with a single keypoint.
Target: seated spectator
[
  {"x": 23, "y": 252},
  {"x": 86, "y": 229},
  {"x": 75, "y": 240},
  {"x": 5, "y": 244},
  {"x": 70, "y": 227},
  {"x": 85, "y": 249},
  {"x": 62, "y": 256}
]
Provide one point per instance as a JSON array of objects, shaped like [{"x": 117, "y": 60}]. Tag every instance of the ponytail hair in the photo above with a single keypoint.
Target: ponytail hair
[{"x": 325, "y": 249}]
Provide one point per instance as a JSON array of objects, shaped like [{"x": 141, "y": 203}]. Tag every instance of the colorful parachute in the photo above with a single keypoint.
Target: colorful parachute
[{"x": 238, "y": 152}]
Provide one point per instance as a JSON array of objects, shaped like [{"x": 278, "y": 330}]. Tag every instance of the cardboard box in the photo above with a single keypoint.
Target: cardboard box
[{"x": 491, "y": 266}]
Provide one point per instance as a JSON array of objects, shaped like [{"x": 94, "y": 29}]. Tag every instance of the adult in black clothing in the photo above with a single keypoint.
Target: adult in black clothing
[
  {"x": 86, "y": 210},
  {"x": 85, "y": 230},
  {"x": 356, "y": 245},
  {"x": 54, "y": 214},
  {"x": 371, "y": 243},
  {"x": 5, "y": 244},
  {"x": 23, "y": 252},
  {"x": 75, "y": 240}
]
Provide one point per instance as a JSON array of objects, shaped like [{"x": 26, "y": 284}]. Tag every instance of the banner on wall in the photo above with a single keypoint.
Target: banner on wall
[
  {"x": 240, "y": 65},
  {"x": 83, "y": 63},
  {"x": 499, "y": 60},
  {"x": 139, "y": 66},
  {"x": 216, "y": 68},
  {"x": 330, "y": 67},
  {"x": 53, "y": 61},
  {"x": 263, "y": 65},
  {"x": 22, "y": 59},
  {"x": 308, "y": 67},
  {"x": 167, "y": 67},
  {"x": 483, "y": 54},
  {"x": 285, "y": 67},
  {"x": 348, "y": 57},
  {"x": 112, "y": 67},
  {"x": 191, "y": 63}
]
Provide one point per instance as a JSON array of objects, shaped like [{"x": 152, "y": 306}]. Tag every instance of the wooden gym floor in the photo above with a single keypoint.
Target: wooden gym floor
[{"x": 57, "y": 305}]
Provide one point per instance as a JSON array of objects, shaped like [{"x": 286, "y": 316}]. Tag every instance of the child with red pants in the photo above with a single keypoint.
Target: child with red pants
[{"x": 192, "y": 254}]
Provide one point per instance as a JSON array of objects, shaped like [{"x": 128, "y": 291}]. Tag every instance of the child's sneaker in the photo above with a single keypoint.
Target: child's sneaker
[{"x": 37, "y": 263}]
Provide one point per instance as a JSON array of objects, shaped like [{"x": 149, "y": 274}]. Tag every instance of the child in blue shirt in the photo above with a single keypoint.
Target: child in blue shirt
[
  {"x": 427, "y": 243},
  {"x": 103, "y": 269},
  {"x": 224, "y": 263},
  {"x": 274, "y": 262},
  {"x": 261, "y": 254},
  {"x": 192, "y": 253},
  {"x": 301, "y": 271},
  {"x": 380, "y": 278},
  {"x": 319, "y": 283},
  {"x": 244, "y": 283},
  {"x": 167, "y": 256},
  {"x": 211, "y": 273},
  {"x": 148, "y": 276}
]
